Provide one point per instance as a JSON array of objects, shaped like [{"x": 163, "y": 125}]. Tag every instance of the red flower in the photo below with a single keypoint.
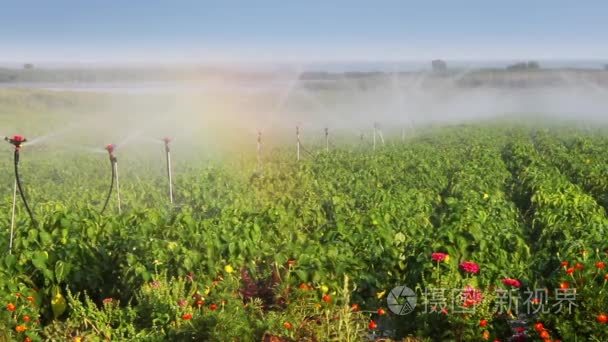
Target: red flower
[
  {"x": 565, "y": 264},
  {"x": 570, "y": 270},
  {"x": 469, "y": 267},
  {"x": 372, "y": 325},
  {"x": 288, "y": 325},
  {"x": 471, "y": 296},
  {"x": 439, "y": 257},
  {"x": 483, "y": 323},
  {"x": 187, "y": 316},
  {"x": 511, "y": 282},
  {"x": 11, "y": 307},
  {"x": 213, "y": 307},
  {"x": 326, "y": 298},
  {"x": 600, "y": 265},
  {"x": 539, "y": 327},
  {"x": 579, "y": 266}
]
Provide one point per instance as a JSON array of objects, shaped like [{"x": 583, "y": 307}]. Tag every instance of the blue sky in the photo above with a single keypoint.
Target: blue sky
[{"x": 133, "y": 30}]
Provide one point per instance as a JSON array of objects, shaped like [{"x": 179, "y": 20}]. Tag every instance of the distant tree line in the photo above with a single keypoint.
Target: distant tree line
[{"x": 523, "y": 66}]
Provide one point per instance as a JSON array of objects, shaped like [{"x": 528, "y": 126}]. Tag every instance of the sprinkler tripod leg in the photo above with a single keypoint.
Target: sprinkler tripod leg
[
  {"x": 170, "y": 176},
  {"x": 10, "y": 243},
  {"x": 117, "y": 185}
]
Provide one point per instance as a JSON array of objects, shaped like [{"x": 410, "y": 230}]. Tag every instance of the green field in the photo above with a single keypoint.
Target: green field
[{"x": 308, "y": 250}]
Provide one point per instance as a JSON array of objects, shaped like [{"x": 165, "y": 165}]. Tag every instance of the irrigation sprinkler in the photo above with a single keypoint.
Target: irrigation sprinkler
[
  {"x": 17, "y": 141},
  {"x": 167, "y": 140},
  {"x": 259, "y": 150},
  {"x": 114, "y": 167},
  {"x": 374, "y": 139},
  {"x": 326, "y": 139},
  {"x": 298, "y": 143},
  {"x": 378, "y": 132}
]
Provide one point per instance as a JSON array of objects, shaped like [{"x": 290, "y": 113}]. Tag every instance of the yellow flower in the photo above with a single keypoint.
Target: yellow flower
[
  {"x": 228, "y": 269},
  {"x": 485, "y": 196},
  {"x": 380, "y": 294},
  {"x": 207, "y": 290},
  {"x": 324, "y": 288},
  {"x": 447, "y": 258}
]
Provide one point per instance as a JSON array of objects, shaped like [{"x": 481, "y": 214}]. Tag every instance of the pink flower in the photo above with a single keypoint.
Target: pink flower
[
  {"x": 511, "y": 282},
  {"x": 439, "y": 257},
  {"x": 108, "y": 301},
  {"x": 469, "y": 267},
  {"x": 182, "y": 303}
]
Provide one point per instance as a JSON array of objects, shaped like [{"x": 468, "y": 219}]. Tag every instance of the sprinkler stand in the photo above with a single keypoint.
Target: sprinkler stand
[
  {"x": 298, "y": 143},
  {"x": 16, "y": 141},
  {"x": 10, "y": 243},
  {"x": 167, "y": 140}
]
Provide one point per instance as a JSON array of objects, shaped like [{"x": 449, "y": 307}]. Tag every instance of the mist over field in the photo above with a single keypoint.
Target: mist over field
[{"x": 224, "y": 109}]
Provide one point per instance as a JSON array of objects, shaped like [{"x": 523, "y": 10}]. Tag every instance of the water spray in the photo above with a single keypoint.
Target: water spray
[
  {"x": 167, "y": 140},
  {"x": 17, "y": 141},
  {"x": 114, "y": 166}
]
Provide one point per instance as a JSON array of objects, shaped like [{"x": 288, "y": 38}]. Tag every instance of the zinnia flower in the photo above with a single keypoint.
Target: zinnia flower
[
  {"x": 471, "y": 296},
  {"x": 469, "y": 267},
  {"x": 511, "y": 282},
  {"x": 439, "y": 257}
]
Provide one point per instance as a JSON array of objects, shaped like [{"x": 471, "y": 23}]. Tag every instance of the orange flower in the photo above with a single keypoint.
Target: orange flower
[
  {"x": 288, "y": 325},
  {"x": 26, "y": 318},
  {"x": 600, "y": 265},
  {"x": 20, "y": 328},
  {"x": 30, "y": 299},
  {"x": 485, "y": 335},
  {"x": 187, "y": 316},
  {"x": 11, "y": 307}
]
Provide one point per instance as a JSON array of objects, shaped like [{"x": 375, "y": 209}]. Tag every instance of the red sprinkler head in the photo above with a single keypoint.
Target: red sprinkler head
[
  {"x": 167, "y": 140},
  {"x": 110, "y": 148},
  {"x": 16, "y": 140}
]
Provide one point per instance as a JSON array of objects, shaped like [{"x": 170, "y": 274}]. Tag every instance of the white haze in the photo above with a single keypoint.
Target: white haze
[{"x": 226, "y": 114}]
